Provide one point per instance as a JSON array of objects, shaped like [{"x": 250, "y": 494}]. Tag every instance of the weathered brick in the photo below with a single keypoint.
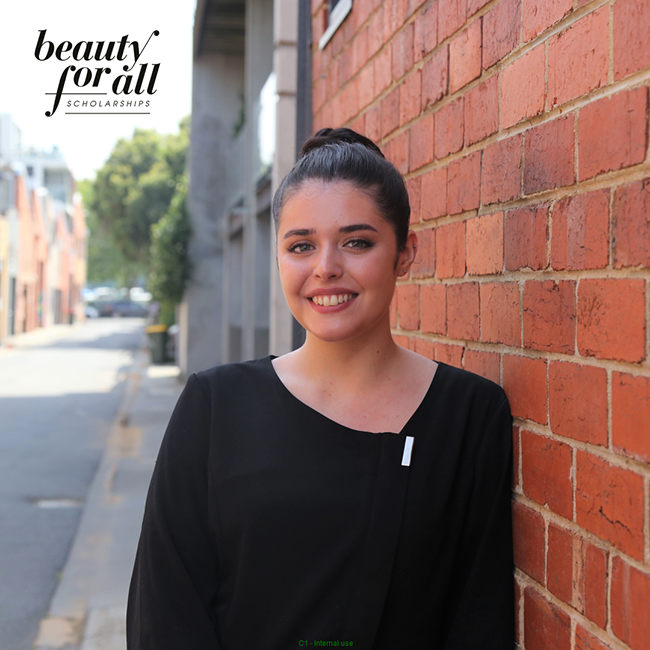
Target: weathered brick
[
  {"x": 424, "y": 265},
  {"x": 631, "y": 415},
  {"x": 366, "y": 86},
  {"x": 524, "y": 381},
  {"x": 631, "y": 43},
  {"x": 609, "y": 503},
  {"x": 501, "y": 28},
  {"x": 559, "y": 563},
  {"x": 360, "y": 49},
  {"x": 522, "y": 87},
  {"x": 409, "y": 98},
  {"x": 451, "y": 17},
  {"x": 449, "y": 130},
  {"x": 591, "y": 583},
  {"x": 413, "y": 189},
  {"x": 434, "y": 308},
  {"x": 484, "y": 244},
  {"x": 578, "y": 58},
  {"x": 578, "y": 402},
  {"x": 528, "y": 537},
  {"x": 525, "y": 236},
  {"x": 402, "y": 55},
  {"x": 408, "y": 306},
  {"x": 463, "y": 311},
  {"x": 482, "y": 110},
  {"x": 611, "y": 319},
  {"x": 451, "y": 354},
  {"x": 425, "y": 348},
  {"x": 358, "y": 124},
  {"x": 450, "y": 250},
  {"x": 546, "y": 626},
  {"x": 630, "y": 598},
  {"x": 383, "y": 75},
  {"x": 397, "y": 151},
  {"x": 474, "y": 5},
  {"x": 376, "y": 32},
  {"x": 501, "y": 171},
  {"x": 546, "y": 469},
  {"x": 550, "y": 315},
  {"x": 612, "y": 133},
  {"x": 587, "y": 641},
  {"x": 549, "y": 155},
  {"x": 631, "y": 225},
  {"x": 581, "y": 232},
  {"x": 434, "y": 194},
  {"x": 373, "y": 123},
  {"x": 464, "y": 183},
  {"x": 421, "y": 143},
  {"x": 435, "y": 77},
  {"x": 403, "y": 341},
  {"x": 539, "y": 16},
  {"x": 485, "y": 364},
  {"x": 393, "y": 18},
  {"x": 390, "y": 112},
  {"x": 500, "y": 321},
  {"x": 518, "y": 607},
  {"x": 465, "y": 56},
  {"x": 425, "y": 34}
]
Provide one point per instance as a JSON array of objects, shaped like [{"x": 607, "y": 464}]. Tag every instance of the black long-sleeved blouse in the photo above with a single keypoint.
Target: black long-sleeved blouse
[{"x": 268, "y": 526}]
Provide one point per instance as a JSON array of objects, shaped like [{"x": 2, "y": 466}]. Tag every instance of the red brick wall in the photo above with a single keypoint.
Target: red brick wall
[{"x": 521, "y": 127}]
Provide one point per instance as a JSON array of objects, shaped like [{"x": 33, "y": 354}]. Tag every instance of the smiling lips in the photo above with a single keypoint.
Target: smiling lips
[{"x": 327, "y": 301}]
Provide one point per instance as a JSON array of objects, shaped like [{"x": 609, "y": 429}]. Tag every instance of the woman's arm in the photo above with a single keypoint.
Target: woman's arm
[
  {"x": 174, "y": 579},
  {"x": 483, "y": 601}
]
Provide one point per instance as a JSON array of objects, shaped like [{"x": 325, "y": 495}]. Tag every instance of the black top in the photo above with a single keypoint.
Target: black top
[{"x": 268, "y": 526}]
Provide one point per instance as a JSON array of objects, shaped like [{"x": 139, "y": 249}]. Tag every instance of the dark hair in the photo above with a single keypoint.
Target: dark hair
[{"x": 343, "y": 154}]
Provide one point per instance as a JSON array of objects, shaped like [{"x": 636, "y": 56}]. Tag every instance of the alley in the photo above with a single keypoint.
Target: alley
[{"x": 59, "y": 393}]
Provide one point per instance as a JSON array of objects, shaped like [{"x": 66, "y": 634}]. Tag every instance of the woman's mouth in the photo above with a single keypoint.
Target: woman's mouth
[{"x": 334, "y": 302}]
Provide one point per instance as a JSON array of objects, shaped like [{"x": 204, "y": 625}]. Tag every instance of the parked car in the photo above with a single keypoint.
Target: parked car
[
  {"x": 91, "y": 312},
  {"x": 129, "y": 308}
]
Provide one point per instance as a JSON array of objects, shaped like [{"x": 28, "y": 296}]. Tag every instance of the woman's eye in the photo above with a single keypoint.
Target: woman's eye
[
  {"x": 295, "y": 247},
  {"x": 360, "y": 243}
]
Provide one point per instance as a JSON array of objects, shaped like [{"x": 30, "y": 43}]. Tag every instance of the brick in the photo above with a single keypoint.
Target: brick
[
  {"x": 528, "y": 537},
  {"x": 518, "y": 608},
  {"x": 376, "y": 32},
  {"x": 578, "y": 58},
  {"x": 450, "y": 250},
  {"x": 546, "y": 470},
  {"x": 515, "y": 451},
  {"x": 421, "y": 144},
  {"x": 485, "y": 364},
  {"x": 359, "y": 125},
  {"x": 578, "y": 402},
  {"x": 464, "y": 183},
  {"x": 631, "y": 43},
  {"x": 587, "y": 641},
  {"x": 524, "y": 381},
  {"x": 450, "y": 354},
  {"x": 501, "y": 28},
  {"x": 451, "y": 17},
  {"x": 393, "y": 18},
  {"x": 609, "y": 503},
  {"x": 434, "y": 308},
  {"x": 390, "y": 112},
  {"x": 366, "y": 86},
  {"x": 545, "y": 625},
  {"x": 580, "y": 237},
  {"x": 500, "y": 322},
  {"x": 434, "y": 194},
  {"x": 501, "y": 171},
  {"x": 409, "y": 97},
  {"x": 425, "y": 348},
  {"x": 402, "y": 340},
  {"x": 449, "y": 128},
  {"x": 611, "y": 319},
  {"x": 463, "y": 311},
  {"x": 539, "y": 16},
  {"x": 435, "y": 77},
  {"x": 402, "y": 56},
  {"x": 346, "y": 68},
  {"x": 397, "y": 151},
  {"x": 425, "y": 31},
  {"x": 424, "y": 265},
  {"x": 630, "y": 415},
  {"x": 550, "y": 315},
  {"x": 549, "y": 155},
  {"x": 360, "y": 50},
  {"x": 612, "y": 133},
  {"x": 630, "y": 598},
  {"x": 631, "y": 225},
  {"x": 475, "y": 5},
  {"x": 591, "y": 582},
  {"x": 408, "y": 306},
  {"x": 383, "y": 67},
  {"x": 373, "y": 123},
  {"x": 482, "y": 111},
  {"x": 525, "y": 233},
  {"x": 522, "y": 87},
  {"x": 484, "y": 244},
  {"x": 413, "y": 189},
  {"x": 465, "y": 57},
  {"x": 559, "y": 563}
]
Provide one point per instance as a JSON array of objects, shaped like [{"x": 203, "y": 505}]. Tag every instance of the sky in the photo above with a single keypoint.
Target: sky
[{"x": 87, "y": 140}]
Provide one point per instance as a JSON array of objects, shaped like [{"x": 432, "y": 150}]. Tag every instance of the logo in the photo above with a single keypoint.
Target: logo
[{"x": 104, "y": 70}]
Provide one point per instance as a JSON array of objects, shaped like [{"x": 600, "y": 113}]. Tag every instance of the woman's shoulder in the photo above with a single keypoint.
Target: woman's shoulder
[{"x": 232, "y": 377}]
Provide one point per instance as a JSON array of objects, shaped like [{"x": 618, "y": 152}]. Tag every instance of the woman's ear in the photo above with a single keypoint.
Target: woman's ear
[{"x": 407, "y": 256}]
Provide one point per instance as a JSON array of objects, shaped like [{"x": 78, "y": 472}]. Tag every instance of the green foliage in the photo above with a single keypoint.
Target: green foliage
[{"x": 170, "y": 262}]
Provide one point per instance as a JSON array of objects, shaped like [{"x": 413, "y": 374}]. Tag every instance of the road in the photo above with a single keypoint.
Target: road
[{"x": 59, "y": 393}]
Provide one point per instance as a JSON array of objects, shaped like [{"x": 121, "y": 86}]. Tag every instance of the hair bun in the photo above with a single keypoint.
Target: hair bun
[{"x": 334, "y": 136}]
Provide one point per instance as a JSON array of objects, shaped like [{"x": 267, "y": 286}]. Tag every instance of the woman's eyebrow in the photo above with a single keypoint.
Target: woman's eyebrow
[{"x": 303, "y": 232}]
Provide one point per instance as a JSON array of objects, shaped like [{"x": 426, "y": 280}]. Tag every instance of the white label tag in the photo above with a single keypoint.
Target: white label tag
[{"x": 408, "y": 446}]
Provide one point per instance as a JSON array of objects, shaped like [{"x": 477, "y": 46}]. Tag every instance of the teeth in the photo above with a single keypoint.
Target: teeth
[{"x": 328, "y": 301}]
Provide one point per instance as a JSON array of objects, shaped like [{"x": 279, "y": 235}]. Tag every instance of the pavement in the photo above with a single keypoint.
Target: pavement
[{"x": 88, "y": 609}]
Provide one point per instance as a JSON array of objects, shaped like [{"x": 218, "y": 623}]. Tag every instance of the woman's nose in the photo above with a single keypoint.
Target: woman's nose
[{"x": 327, "y": 262}]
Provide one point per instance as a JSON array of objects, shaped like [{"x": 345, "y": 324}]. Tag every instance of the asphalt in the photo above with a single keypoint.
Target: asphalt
[{"x": 88, "y": 609}]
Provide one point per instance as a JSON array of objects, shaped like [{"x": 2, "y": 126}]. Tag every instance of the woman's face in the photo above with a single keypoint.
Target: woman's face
[{"x": 336, "y": 249}]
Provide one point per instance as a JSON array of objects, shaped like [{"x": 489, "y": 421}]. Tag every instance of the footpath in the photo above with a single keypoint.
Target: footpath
[{"x": 88, "y": 610}]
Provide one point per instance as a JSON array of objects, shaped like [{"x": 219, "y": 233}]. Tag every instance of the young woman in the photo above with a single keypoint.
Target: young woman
[{"x": 351, "y": 493}]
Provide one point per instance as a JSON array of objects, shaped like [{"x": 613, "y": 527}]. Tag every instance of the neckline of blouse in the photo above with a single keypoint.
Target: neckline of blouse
[{"x": 409, "y": 422}]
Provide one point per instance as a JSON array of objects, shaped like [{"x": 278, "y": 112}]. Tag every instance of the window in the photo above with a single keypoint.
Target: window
[{"x": 338, "y": 10}]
